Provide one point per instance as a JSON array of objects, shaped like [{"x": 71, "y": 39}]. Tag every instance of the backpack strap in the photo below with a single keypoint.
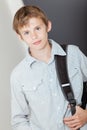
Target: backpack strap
[
  {"x": 84, "y": 96},
  {"x": 61, "y": 69}
]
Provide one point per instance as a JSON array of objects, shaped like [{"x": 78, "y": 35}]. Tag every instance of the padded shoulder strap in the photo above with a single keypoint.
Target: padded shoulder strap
[
  {"x": 61, "y": 69},
  {"x": 84, "y": 95}
]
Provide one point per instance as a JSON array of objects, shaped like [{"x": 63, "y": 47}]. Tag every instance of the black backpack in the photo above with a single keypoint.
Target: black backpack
[{"x": 61, "y": 69}]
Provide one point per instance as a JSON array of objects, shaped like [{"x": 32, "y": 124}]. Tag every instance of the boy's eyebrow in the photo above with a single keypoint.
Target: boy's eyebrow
[
  {"x": 26, "y": 28},
  {"x": 23, "y": 31}
]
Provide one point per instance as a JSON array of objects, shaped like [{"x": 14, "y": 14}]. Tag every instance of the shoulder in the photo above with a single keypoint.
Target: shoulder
[
  {"x": 18, "y": 69},
  {"x": 73, "y": 50},
  {"x": 72, "y": 47},
  {"x": 75, "y": 54}
]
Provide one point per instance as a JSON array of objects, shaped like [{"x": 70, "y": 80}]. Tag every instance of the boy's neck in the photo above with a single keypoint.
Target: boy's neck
[{"x": 43, "y": 54}]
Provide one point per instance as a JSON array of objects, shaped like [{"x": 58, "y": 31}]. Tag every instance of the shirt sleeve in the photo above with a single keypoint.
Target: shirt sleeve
[
  {"x": 19, "y": 106},
  {"x": 83, "y": 64}
]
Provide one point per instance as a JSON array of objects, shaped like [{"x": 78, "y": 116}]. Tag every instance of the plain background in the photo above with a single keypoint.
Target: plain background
[{"x": 69, "y": 19}]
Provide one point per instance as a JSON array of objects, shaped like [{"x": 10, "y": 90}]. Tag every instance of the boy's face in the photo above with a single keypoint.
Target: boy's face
[{"x": 35, "y": 33}]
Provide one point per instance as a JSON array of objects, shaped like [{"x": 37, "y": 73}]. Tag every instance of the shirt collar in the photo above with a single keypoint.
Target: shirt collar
[
  {"x": 30, "y": 60},
  {"x": 56, "y": 50}
]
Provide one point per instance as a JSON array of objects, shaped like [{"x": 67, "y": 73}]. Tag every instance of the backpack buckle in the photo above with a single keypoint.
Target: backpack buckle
[{"x": 72, "y": 102}]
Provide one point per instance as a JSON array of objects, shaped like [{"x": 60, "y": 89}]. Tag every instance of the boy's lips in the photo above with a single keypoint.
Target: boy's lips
[{"x": 37, "y": 42}]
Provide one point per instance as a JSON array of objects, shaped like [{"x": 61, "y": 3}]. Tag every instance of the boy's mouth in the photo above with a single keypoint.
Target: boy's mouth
[{"x": 37, "y": 42}]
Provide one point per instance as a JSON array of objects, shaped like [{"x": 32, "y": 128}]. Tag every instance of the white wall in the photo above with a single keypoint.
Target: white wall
[{"x": 11, "y": 52}]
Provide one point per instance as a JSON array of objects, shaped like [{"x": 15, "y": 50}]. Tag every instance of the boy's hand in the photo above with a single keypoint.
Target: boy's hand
[{"x": 77, "y": 120}]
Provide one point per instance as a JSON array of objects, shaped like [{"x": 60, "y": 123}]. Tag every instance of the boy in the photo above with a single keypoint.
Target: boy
[{"x": 37, "y": 99}]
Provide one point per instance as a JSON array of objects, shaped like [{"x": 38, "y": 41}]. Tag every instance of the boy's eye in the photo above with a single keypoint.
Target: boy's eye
[
  {"x": 37, "y": 28},
  {"x": 26, "y": 33}
]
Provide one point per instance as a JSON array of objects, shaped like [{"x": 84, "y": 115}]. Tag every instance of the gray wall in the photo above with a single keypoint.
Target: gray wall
[
  {"x": 11, "y": 52},
  {"x": 69, "y": 18}
]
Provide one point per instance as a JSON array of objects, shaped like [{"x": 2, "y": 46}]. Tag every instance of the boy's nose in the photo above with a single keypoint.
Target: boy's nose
[{"x": 33, "y": 35}]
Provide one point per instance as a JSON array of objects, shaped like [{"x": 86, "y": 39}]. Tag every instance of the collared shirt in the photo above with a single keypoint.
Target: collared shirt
[{"x": 37, "y": 100}]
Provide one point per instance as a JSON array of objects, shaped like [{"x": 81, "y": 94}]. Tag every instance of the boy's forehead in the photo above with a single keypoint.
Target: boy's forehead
[{"x": 32, "y": 22}]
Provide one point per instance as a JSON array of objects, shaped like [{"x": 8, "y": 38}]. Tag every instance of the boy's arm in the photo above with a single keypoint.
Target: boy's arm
[
  {"x": 79, "y": 119},
  {"x": 19, "y": 107}
]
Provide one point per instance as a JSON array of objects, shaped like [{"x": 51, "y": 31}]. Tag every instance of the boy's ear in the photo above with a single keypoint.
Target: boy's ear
[{"x": 49, "y": 26}]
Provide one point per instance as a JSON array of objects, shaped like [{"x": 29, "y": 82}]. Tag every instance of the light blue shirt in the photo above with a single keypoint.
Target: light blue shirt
[{"x": 37, "y": 100}]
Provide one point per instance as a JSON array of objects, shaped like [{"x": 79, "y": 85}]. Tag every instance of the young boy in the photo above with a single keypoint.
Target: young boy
[{"x": 37, "y": 100}]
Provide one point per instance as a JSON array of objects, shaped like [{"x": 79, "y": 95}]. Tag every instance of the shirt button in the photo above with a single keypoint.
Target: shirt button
[
  {"x": 54, "y": 94},
  {"x": 51, "y": 80},
  {"x": 58, "y": 111},
  {"x": 58, "y": 108},
  {"x": 60, "y": 123},
  {"x": 34, "y": 88}
]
